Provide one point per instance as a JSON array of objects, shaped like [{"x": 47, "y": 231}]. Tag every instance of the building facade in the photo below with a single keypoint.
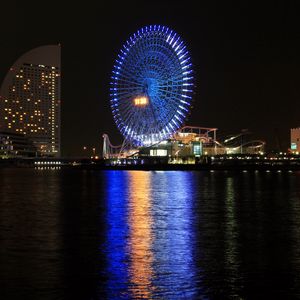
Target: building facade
[
  {"x": 13, "y": 145},
  {"x": 295, "y": 140},
  {"x": 30, "y": 99}
]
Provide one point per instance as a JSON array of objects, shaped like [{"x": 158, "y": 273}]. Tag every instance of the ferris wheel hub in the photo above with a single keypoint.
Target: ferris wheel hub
[{"x": 150, "y": 87}]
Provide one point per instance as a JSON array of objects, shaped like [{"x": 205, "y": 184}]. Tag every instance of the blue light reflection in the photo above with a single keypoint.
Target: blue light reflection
[
  {"x": 174, "y": 235},
  {"x": 150, "y": 236},
  {"x": 116, "y": 237}
]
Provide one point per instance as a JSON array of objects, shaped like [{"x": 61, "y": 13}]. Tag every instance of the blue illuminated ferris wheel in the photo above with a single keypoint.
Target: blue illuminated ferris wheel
[{"x": 152, "y": 85}]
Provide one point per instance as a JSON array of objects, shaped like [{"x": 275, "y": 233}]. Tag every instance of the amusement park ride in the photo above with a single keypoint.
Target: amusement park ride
[{"x": 151, "y": 95}]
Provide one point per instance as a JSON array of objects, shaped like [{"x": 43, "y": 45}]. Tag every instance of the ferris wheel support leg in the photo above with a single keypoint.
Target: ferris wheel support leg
[{"x": 123, "y": 147}]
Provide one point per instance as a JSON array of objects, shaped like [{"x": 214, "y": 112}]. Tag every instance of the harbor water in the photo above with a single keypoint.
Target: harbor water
[{"x": 91, "y": 234}]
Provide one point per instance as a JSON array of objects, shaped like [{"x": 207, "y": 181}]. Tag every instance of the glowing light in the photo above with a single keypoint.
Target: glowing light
[
  {"x": 140, "y": 235},
  {"x": 141, "y": 101},
  {"x": 132, "y": 88}
]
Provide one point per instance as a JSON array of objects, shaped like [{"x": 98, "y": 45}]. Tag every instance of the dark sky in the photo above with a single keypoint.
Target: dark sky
[{"x": 246, "y": 56}]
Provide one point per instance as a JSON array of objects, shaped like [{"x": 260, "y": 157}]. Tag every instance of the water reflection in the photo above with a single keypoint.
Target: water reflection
[
  {"x": 117, "y": 232},
  {"x": 31, "y": 240},
  {"x": 230, "y": 238},
  {"x": 174, "y": 231},
  {"x": 140, "y": 235},
  {"x": 294, "y": 198},
  {"x": 72, "y": 234},
  {"x": 150, "y": 236}
]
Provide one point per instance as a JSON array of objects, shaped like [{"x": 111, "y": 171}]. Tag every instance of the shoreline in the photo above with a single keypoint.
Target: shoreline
[
  {"x": 191, "y": 167},
  {"x": 218, "y": 165},
  {"x": 271, "y": 168}
]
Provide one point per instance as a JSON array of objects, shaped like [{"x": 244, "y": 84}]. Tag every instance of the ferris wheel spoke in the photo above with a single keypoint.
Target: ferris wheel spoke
[
  {"x": 173, "y": 101},
  {"x": 129, "y": 82},
  {"x": 124, "y": 94},
  {"x": 130, "y": 76},
  {"x": 179, "y": 76},
  {"x": 130, "y": 63},
  {"x": 139, "y": 125},
  {"x": 171, "y": 82},
  {"x": 178, "y": 101},
  {"x": 171, "y": 85},
  {"x": 123, "y": 89},
  {"x": 128, "y": 114},
  {"x": 164, "y": 92},
  {"x": 138, "y": 70},
  {"x": 126, "y": 107}
]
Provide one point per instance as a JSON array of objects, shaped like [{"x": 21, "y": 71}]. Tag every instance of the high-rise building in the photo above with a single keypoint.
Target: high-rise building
[{"x": 30, "y": 99}]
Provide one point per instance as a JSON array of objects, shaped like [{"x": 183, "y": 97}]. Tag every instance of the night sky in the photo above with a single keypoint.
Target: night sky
[{"x": 246, "y": 59}]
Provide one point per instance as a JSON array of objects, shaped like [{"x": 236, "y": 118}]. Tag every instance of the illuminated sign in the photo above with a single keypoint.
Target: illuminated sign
[
  {"x": 140, "y": 101},
  {"x": 158, "y": 152},
  {"x": 197, "y": 148},
  {"x": 293, "y": 146}
]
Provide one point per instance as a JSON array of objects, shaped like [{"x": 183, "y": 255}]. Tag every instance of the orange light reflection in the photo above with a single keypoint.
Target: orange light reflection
[{"x": 141, "y": 238}]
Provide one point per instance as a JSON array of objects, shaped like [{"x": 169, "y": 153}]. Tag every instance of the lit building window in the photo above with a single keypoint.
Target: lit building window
[{"x": 28, "y": 96}]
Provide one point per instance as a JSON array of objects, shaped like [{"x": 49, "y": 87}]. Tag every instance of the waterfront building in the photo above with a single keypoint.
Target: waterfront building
[
  {"x": 30, "y": 99},
  {"x": 13, "y": 145},
  {"x": 295, "y": 140},
  {"x": 189, "y": 144}
]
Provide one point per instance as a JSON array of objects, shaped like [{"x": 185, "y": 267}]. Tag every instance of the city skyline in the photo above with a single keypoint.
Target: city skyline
[
  {"x": 149, "y": 150},
  {"x": 245, "y": 58}
]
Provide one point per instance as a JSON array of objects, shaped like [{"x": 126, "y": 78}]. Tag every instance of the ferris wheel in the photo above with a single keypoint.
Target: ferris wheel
[{"x": 152, "y": 85}]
